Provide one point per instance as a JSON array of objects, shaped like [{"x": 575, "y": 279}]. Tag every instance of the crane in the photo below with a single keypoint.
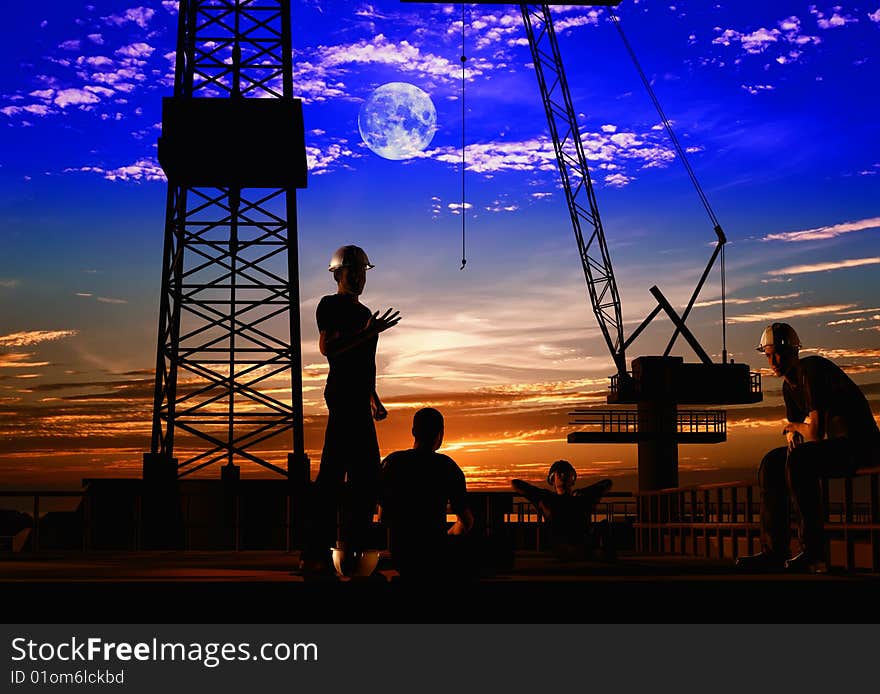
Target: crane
[{"x": 657, "y": 384}]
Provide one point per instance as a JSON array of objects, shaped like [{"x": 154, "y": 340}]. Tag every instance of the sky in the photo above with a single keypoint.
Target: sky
[{"x": 775, "y": 103}]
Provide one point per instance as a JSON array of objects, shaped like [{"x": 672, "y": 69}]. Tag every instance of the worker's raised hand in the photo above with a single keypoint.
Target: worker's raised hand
[
  {"x": 381, "y": 323},
  {"x": 379, "y": 411}
]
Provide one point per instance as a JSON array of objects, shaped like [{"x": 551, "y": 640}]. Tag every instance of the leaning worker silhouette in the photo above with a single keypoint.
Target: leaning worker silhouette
[
  {"x": 349, "y": 333},
  {"x": 831, "y": 432}
]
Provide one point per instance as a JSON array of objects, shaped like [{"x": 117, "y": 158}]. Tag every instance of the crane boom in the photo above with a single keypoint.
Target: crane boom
[{"x": 576, "y": 181}]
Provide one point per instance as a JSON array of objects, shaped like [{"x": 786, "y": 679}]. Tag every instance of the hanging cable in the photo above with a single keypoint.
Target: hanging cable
[
  {"x": 723, "y": 311},
  {"x": 463, "y": 159},
  {"x": 722, "y": 239}
]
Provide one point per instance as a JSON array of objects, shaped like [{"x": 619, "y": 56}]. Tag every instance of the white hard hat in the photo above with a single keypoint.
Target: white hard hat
[
  {"x": 779, "y": 335},
  {"x": 349, "y": 256}
]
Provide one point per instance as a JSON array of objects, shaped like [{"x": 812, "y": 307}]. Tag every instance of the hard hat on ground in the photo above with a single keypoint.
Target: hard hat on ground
[
  {"x": 349, "y": 256},
  {"x": 779, "y": 335}
]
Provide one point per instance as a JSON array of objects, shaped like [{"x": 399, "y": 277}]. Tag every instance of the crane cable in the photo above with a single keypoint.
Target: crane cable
[
  {"x": 680, "y": 151},
  {"x": 463, "y": 160}
]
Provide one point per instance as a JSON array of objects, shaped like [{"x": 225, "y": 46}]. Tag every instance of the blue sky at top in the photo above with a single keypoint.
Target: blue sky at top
[{"x": 777, "y": 104}]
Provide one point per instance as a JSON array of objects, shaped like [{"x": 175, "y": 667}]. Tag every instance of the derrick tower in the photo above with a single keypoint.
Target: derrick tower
[{"x": 233, "y": 149}]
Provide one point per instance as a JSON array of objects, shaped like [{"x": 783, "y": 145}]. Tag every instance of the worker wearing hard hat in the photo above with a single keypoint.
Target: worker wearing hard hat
[
  {"x": 568, "y": 512},
  {"x": 830, "y": 433},
  {"x": 349, "y": 333}
]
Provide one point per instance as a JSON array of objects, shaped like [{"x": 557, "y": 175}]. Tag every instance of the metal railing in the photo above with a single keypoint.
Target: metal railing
[
  {"x": 35, "y": 495},
  {"x": 755, "y": 381},
  {"x": 627, "y": 421},
  {"x": 715, "y": 521},
  {"x": 723, "y": 520}
]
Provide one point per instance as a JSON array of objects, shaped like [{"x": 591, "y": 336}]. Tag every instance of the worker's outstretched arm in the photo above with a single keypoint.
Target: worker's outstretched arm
[
  {"x": 529, "y": 491},
  {"x": 333, "y": 343}
]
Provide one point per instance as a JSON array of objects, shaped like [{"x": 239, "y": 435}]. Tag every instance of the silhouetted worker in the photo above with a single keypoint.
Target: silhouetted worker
[
  {"x": 417, "y": 486},
  {"x": 349, "y": 333},
  {"x": 567, "y": 511},
  {"x": 840, "y": 436}
]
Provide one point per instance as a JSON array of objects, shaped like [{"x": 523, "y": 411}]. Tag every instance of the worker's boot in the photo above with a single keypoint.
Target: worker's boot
[{"x": 807, "y": 563}]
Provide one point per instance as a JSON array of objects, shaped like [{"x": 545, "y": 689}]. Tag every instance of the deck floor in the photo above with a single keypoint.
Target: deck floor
[{"x": 265, "y": 587}]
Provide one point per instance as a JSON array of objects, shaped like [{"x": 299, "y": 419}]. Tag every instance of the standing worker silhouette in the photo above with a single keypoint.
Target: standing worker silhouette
[{"x": 349, "y": 332}]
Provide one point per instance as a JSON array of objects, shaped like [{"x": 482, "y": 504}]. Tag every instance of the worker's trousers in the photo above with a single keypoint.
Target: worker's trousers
[
  {"x": 796, "y": 476},
  {"x": 344, "y": 495}
]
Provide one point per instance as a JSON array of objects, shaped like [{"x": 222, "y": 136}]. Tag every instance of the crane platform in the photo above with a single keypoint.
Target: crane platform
[
  {"x": 623, "y": 426},
  {"x": 671, "y": 379}
]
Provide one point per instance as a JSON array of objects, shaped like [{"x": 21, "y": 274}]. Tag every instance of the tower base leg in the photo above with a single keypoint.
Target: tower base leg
[{"x": 161, "y": 517}]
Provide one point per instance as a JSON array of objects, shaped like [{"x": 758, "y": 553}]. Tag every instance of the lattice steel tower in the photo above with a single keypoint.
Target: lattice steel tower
[{"x": 233, "y": 149}]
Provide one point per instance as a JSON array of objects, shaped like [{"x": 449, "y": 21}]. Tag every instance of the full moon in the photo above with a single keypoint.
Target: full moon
[{"x": 397, "y": 121}]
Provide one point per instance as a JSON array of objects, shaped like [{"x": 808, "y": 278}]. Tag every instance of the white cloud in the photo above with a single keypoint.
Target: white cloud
[
  {"x": 72, "y": 45},
  {"x": 96, "y": 38},
  {"x": 502, "y": 206},
  {"x": 170, "y": 5},
  {"x": 331, "y": 157},
  {"x": 95, "y": 61},
  {"x": 785, "y": 314},
  {"x": 826, "y": 232},
  {"x": 755, "y": 42},
  {"x": 834, "y": 21},
  {"x": 875, "y": 16},
  {"x": 38, "y": 109},
  {"x": 136, "y": 50},
  {"x": 757, "y": 88},
  {"x": 617, "y": 180},
  {"x": 320, "y": 78},
  {"x": 758, "y": 41},
  {"x": 610, "y": 150},
  {"x": 139, "y": 15},
  {"x": 141, "y": 170},
  {"x": 753, "y": 300},
  {"x": 75, "y": 97},
  {"x": 824, "y": 267},
  {"x": 9, "y": 284}
]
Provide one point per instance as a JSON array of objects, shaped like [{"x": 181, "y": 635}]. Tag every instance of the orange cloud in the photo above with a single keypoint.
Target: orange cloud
[
  {"x": 771, "y": 316},
  {"x": 33, "y": 337}
]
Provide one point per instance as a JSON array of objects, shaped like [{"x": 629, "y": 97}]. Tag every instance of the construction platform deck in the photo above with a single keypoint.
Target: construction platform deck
[{"x": 265, "y": 587}]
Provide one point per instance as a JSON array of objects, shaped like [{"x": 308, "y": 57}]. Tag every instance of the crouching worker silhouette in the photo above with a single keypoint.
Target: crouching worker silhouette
[
  {"x": 416, "y": 488},
  {"x": 830, "y": 433},
  {"x": 567, "y": 512}
]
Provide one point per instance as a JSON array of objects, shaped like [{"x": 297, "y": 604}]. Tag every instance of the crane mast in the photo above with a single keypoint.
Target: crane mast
[{"x": 576, "y": 181}]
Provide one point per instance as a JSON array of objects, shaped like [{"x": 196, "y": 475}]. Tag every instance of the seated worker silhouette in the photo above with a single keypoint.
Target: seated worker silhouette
[
  {"x": 416, "y": 488},
  {"x": 830, "y": 433},
  {"x": 567, "y": 512}
]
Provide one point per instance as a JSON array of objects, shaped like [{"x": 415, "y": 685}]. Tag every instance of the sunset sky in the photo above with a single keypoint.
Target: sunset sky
[{"x": 776, "y": 104}]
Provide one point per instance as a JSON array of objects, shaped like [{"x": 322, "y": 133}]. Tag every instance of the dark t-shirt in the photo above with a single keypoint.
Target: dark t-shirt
[
  {"x": 569, "y": 516},
  {"x": 352, "y": 372},
  {"x": 416, "y": 487},
  {"x": 823, "y": 386}
]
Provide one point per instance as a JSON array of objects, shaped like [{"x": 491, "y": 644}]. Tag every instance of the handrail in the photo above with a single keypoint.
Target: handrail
[{"x": 721, "y": 520}]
